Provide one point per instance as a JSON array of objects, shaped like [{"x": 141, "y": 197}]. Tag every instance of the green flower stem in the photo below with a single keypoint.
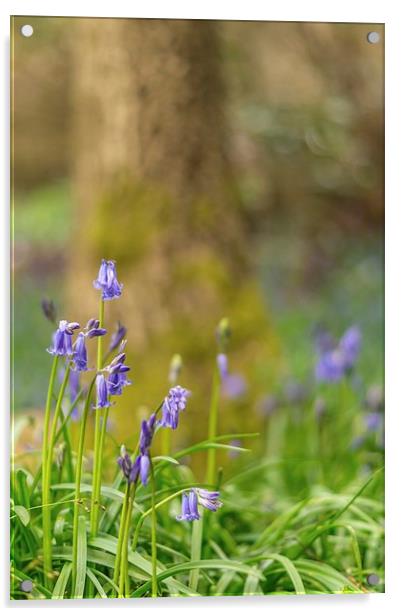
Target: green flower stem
[
  {"x": 45, "y": 451},
  {"x": 146, "y": 513},
  {"x": 97, "y": 450},
  {"x": 213, "y": 416},
  {"x": 197, "y": 530},
  {"x": 153, "y": 532},
  {"x": 124, "y": 546},
  {"x": 78, "y": 477},
  {"x": 121, "y": 530},
  {"x": 47, "y": 538}
]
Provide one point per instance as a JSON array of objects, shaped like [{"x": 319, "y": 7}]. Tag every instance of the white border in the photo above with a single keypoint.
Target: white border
[{"x": 383, "y": 11}]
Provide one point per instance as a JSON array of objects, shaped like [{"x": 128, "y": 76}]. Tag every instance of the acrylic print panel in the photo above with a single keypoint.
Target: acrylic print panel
[{"x": 197, "y": 308}]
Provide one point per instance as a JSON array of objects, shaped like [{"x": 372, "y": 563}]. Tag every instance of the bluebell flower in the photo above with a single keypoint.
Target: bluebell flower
[
  {"x": 189, "y": 506},
  {"x": 222, "y": 365},
  {"x": 173, "y": 404},
  {"x": 147, "y": 432},
  {"x": 80, "y": 354},
  {"x": 117, "y": 378},
  {"x": 62, "y": 339},
  {"x": 117, "y": 337},
  {"x": 129, "y": 469},
  {"x": 106, "y": 280},
  {"x": 102, "y": 395},
  {"x": 209, "y": 500},
  {"x": 234, "y": 386},
  {"x": 268, "y": 405}
]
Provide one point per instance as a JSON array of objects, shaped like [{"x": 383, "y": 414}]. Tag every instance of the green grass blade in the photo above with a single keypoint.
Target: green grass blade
[
  {"x": 81, "y": 559},
  {"x": 62, "y": 581}
]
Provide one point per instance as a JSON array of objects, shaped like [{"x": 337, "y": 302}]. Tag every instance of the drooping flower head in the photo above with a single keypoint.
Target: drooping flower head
[
  {"x": 189, "y": 506},
  {"x": 117, "y": 375},
  {"x": 62, "y": 339},
  {"x": 117, "y": 337},
  {"x": 106, "y": 280},
  {"x": 102, "y": 395},
  {"x": 49, "y": 309},
  {"x": 129, "y": 469},
  {"x": 142, "y": 462},
  {"x": 173, "y": 404},
  {"x": 80, "y": 354}
]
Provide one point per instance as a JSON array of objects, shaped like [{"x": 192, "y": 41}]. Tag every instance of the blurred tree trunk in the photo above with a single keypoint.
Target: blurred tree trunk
[{"x": 153, "y": 185}]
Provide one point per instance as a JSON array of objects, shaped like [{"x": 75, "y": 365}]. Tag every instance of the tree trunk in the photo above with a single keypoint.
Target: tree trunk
[{"x": 154, "y": 189}]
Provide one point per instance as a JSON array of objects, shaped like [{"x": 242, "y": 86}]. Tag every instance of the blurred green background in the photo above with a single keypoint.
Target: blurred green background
[{"x": 231, "y": 168}]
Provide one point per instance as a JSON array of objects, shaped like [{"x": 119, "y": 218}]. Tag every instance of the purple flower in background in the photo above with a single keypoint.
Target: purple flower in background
[
  {"x": 106, "y": 280},
  {"x": 117, "y": 337},
  {"x": 62, "y": 339},
  {"x": 330, "y": 367},
  {"x": 373, "y": 421},
  {"x": 334, "y": 363},
  {"x": 102, "y": 398},
  {"x": 173, "y": 404},
  {"x": 295, "y": 392},
  {"x": 222, "y": 364},
  {"x": 233, "y": 386},
  {"x": 350, "y": 346},
  {"x": 320, "y": 408},
  {"x": 235, "y": 442}
]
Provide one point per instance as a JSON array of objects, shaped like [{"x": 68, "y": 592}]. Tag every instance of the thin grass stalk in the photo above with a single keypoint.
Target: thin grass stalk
[
  {"x": 47, "y": 539},
  {"x": 78, "y": 477},
  {"x": 121, "y": 530},
  {"x": 46, "y": 519},
  {"x": 153, "y": 532},
  {"x": 124, "y": 547},
  {"x": 96, "y": 479}
]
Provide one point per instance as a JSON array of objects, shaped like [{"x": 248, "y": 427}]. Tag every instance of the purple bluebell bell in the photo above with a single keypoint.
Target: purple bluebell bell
[
  {"x": 295, "y": 392},
  {"x": 102, "y": 394},
  {"x": 80, "y": 354},
  {"x": 129, "y": 468},
  {"x": 62, "y": 339},
  {"x": 117, "y": 378},
  {"x": 189, "y": 506},
  {"x": 222, "y": 365},
  {"x": 173, "y": 404},
  {"x": 233, "y": 386},
  {"x": 209, "y": 500},
  {"x": 107, "y": 282},
  {"x": 117, "y": 337},
  {"x": 333, "y": 364},
  {"x": 233, "y": 453},
  {"x": 142, "y": 462}
]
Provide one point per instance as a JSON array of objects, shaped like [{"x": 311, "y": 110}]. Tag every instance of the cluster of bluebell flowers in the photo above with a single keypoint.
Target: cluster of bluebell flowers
[
  {"x": 107, "y": 282},
  {"x": 335, "y": 360},
  {"x": 140, "y": 467},
  {"x": 189, "y": 506},
  {"x": 174, "y": 403}
]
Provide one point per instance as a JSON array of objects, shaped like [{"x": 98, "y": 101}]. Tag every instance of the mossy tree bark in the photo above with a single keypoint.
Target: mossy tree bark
[{"x": 154, "y": 188}]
